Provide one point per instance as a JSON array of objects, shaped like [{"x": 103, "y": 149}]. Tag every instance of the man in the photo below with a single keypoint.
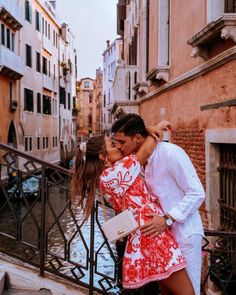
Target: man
[{"x": 171, "y": 177}]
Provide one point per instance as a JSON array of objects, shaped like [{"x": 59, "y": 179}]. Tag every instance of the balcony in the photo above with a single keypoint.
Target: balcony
[
  {"x": 124, "y": 95},
  {"x": 11, "y": 64},
  {"x": 11, "y": 13},
  {"x": 48, "y": 83}
]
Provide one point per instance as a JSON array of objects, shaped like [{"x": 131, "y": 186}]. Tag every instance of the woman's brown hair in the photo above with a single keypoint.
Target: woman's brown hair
[{"x": 88, "y": 168}]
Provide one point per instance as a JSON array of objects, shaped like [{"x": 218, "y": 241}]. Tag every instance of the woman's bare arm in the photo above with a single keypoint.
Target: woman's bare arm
[{"x": 150, "y": 142}]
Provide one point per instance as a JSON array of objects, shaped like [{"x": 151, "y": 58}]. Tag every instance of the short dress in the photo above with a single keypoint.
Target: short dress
[{"x": 146, "y": 259}]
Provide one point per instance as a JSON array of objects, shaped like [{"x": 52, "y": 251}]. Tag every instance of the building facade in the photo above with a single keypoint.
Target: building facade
[
  {"x": 97, "y": 103},
  {"x": 33, "y": 46},
  {"x": 12, "y": 70},
  {"x": 85, "y": 104},
  {"x": 67, "y": 92},
  {"x": 111, "y": 58},
  {"x": 186, "y": 74}
]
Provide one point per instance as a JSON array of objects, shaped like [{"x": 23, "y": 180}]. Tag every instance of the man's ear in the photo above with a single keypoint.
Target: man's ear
[{"x": 138, "y": 139}]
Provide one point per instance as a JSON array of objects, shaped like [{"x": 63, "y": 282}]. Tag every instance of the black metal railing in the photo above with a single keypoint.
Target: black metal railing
[
  {"x": 219, "y": 251},
  {"x": 40, "y": 225}
]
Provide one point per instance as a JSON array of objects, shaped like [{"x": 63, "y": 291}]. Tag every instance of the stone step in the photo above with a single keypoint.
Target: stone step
[{"x": 26, "y": 292}]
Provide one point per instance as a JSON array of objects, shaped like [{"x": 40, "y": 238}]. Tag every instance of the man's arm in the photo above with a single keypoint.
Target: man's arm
[{"x": 184, "y": 173}]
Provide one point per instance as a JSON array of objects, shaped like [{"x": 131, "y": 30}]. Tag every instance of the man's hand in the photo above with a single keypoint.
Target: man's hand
[{"x": 155, "y": 226}]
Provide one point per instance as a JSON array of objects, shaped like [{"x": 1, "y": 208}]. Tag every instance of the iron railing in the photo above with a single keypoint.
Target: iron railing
[{"x": 40, "y": 225}]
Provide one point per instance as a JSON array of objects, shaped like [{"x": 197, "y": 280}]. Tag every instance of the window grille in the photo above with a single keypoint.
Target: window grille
[
  {"x": 227, "y": 201},
  {"x": 230, "y": 6}
]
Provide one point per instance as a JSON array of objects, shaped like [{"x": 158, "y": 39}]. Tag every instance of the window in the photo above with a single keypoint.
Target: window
[
  {"x": 86, "y": 84},
  {"x": 104, "y": 100},
  {"x": 47, "y": 108},
  {"x": 54, "y": 38},
  {"x": 37, "y": 20},
  {"x": 8, "y": 39},
  {"x": 46, "y": 28},
  {"x": 11, "y": 91},
  {"x": 49, "y": 33},
  {"x": 69, "y": 102},
  {"x": 90, "y": 120},
  {"x": 230, "y": 6},
  {"x": 54, "y": 72},
  {"x": 13, "y": 42},
  {"x": 45, "y": 142},
  {"x": 38, "y": 62},
  {"x": 27, "y": 11},
  {"x": 90, "y": 97},
  {"x": 28, "y": 56},
  {"x": 39, "y": 104},
  {"x": 44, "y": 65},
  {"x": 3, "y": 34},
  {"x": 28, "y": 143},
  {"x": 38, "y": 143},
  {"x": 49, "y": 68},
  {"x": 43, "y": 25},
  {"x": 28, "y": 100},
  {"x": 63, "y": 96},
  {"x": 163, "y": 33},
  {"x": 54, "y": 141}
]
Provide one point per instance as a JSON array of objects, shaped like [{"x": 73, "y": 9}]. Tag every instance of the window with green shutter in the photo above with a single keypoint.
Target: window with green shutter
[
  {"x": 27, "y": 11},
  {"x": 37, "y": 20}
]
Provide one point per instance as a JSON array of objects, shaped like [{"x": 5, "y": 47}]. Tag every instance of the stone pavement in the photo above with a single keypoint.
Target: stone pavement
[{"x": 26, "y": 292}]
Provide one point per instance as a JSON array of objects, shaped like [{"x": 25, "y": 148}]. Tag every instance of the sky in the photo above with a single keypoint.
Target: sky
[{"x": 92, "y": 22}]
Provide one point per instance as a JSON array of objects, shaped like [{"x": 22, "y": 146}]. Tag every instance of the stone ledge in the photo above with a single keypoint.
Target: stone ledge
[{"x": 22, "y": 276}]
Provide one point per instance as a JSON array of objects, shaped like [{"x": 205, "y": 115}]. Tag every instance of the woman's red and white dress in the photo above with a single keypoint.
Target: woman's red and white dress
[{"x": 146, "y": 259}]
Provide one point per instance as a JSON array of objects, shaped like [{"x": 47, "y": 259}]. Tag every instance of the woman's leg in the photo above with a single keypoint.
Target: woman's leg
[{"x": 178, "y": 284}]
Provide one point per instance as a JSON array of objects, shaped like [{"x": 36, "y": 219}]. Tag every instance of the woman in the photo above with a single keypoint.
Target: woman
[{"x": 146, "y": 259}]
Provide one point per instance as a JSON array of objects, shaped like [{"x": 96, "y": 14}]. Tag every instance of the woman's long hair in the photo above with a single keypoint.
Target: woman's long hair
[{"x": 88, "y": 168}]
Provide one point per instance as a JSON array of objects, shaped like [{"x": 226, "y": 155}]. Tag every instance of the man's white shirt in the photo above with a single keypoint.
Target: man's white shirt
[{"x": 171, "y": 176}]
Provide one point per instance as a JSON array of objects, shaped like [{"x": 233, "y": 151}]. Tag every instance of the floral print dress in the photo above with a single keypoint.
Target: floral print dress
[{"x": 146, "y": 259}]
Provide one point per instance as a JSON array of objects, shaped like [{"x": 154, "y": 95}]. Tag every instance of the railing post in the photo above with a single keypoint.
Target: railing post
[
  {"x": 43, "y": 216},
  {"x": 91, "y": 257}
]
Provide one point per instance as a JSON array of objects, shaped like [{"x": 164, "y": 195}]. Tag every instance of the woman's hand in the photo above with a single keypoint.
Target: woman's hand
[{"x": 157, "y": 131}]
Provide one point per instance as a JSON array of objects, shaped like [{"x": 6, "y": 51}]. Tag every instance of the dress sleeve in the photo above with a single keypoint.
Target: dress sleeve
[{"x": 121, "y": 176}]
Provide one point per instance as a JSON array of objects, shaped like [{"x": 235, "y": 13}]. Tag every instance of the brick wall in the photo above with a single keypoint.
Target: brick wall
[{"x": 192, "y": 140}]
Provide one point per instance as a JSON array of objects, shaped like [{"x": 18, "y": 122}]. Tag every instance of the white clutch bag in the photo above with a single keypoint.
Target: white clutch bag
[{"x": 120, "y": 226}]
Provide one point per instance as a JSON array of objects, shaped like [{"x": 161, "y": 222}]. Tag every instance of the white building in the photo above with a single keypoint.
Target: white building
[
  {"x": 67, "y": 88},
  {"x": 111, "y": 58}
]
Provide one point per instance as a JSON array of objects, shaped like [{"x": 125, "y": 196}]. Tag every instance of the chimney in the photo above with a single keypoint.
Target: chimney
[
  {"x": 53, "y": 3},
  {"x": 108, "y": 43}
]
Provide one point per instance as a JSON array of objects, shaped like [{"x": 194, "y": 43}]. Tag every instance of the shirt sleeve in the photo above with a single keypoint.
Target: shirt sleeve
[
  {"x": 185, "y": 175},
  {"x": 121, "y": 176}
]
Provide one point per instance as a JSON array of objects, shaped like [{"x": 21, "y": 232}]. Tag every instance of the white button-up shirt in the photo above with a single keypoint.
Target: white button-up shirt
[{"x": 171, "y": 176}]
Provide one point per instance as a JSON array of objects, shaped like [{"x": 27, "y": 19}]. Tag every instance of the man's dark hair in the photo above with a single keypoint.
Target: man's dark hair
[{"x": 130, "y": 125}]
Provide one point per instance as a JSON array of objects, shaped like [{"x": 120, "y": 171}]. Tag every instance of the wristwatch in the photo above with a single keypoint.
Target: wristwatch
[{"x": 169, "y": 222}]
